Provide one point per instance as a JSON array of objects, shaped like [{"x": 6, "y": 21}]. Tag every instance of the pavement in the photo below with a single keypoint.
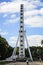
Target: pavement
[{"x": 24, "y": 63}]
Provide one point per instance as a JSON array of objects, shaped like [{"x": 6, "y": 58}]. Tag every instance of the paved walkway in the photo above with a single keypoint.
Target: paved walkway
[{"x": 24, "y": 63}]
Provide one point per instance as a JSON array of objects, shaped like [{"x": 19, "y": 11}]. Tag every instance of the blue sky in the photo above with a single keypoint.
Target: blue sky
[
  {"x": 10, "y": 20},
  {"x": 5, "y": 0}
]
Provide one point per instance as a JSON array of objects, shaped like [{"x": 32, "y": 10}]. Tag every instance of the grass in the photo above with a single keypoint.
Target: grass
[
  {"x": 2, "y": 63},
  {"x": 23, "y": 63}
]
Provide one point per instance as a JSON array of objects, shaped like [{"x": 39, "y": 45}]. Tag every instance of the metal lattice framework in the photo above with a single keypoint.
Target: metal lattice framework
[{"x": 22, "y": 37}]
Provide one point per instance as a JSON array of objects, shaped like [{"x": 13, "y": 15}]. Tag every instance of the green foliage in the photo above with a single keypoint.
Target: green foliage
[
  {"x": 26, "y": 53},
  {"x": 9, "y": 51},
  {"x": 17, "y": 51},
  {"x": 37, "y": 53},
  {"x": 42, "y": 42},
  {"x": 3, "y": 40},
  {"x": 5, "y": 49}
]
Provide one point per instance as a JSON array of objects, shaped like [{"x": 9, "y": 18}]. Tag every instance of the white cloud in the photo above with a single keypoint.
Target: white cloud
[
  {"x": 34, "y": 18},
  {"x": 41, "y": 11},
  {"x": 3, "y": 33},
  {"x": 30, "y": 11},
  {"x": 33, "y": 12},
  {"x": 15, "y": 5},
  {"x": 33, "y": 40},
  {"x": 13, "y": 16},
  {"x": 13, "y": 38},
  {"x": 35, "y": 21},
  {"x": 36, "y": 2},
  {"x": 5, "y": 15},
  {"x": 12, "y": 41},
  {"x": 12, "y": 20},
  {"x": 9, "y": 7}
]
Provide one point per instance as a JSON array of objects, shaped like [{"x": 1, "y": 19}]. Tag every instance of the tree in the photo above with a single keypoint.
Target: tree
[
  {"x": 42, "y": 43},
  {"x": 26, "y": 52},
  {"x": 3, "y": 51},
  {"x": 9, "y": 51},
  {"x": 3, "y": 40},
  {"x": 3, "y": 47},
  {"x": 42, "y": 49}
]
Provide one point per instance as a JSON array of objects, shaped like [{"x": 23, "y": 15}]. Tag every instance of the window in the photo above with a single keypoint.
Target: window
[
  {"x": 21, "y": 52},
  {"x": 21, "y": 5},
  {"x": 21, "y": 36},
  {"x": 21, "y": 21},
  {"x": 21, "y": 10},
  {"x": 21, "y": 26},
  {"x": 21, "y": 44},
  {"x": 21, "y": 40},
  {"x": 21, "y": 31},
  {"x": 21, "y": 17},
  {"x": 21, "y": 13},
  {"x": 21, "y": 48}
]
